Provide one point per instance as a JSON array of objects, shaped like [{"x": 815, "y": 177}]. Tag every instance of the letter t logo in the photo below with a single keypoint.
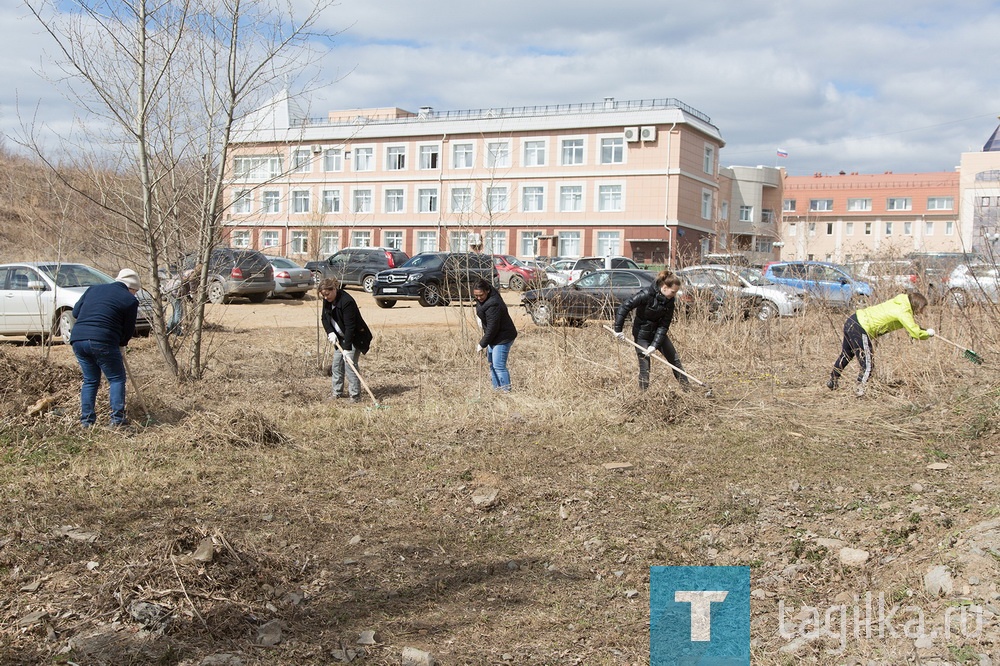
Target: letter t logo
[{"x": 701, "y": 611}]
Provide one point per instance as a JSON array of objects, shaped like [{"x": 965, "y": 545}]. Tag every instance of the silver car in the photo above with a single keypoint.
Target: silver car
[
  {"x": 974, "y": 283},
  {"x": 769, "y": 299},
  {"x": 290, "y": 279}
]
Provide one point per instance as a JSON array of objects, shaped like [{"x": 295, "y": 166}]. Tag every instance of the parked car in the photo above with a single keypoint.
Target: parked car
[
  {"x": 725, "y": 259},
  {"x": 236, "y": 272},
  {"x": 358, "y": 266},
  {"x": 887, "y": 274},
  {"x": 974, "y": 283},
  {"x": 596, "y": 295},
  {"x": 757, "y": 295},
  {"x": 934, "y": 268},
  {"x": 516, "y": 275},
  {"x": 821, "y": 281},
  {"x": 587, "y": 265},
  {"x": 37, "y": 299},
  {"x": 290, "y": 279},
  {"x": 435, "y": 278}
]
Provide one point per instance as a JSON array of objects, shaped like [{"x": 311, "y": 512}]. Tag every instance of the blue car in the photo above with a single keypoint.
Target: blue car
[{"x": 822, "y": 282}]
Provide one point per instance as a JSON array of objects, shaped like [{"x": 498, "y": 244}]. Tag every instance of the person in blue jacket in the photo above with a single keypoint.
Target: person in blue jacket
[{"x": 105, "y": 322}]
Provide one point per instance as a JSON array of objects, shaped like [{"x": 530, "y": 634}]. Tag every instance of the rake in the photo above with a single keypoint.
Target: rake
[
  {"x": 350, "y": 363},
  {"x": 967, "y": 353},
  {"x": 708, "y": 390}
]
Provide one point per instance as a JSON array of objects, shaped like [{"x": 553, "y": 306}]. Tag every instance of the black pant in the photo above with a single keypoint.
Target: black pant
[
  {"x": 668, "y": 351},
  {"x": 856, "y": 343}
]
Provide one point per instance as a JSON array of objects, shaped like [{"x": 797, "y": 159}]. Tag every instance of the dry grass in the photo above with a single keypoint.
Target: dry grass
[{"x": 283, "y": 481}]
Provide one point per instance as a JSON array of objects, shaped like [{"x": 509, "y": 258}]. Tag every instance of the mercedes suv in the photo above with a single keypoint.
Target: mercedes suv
[{"x": 435, "y": 278}]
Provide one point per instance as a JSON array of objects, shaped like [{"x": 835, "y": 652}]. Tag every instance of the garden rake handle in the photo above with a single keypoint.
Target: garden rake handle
[
  {"x": 953, "y": 344},
  {"x": 660, "y": 358},
  {"x": 348, "y": 361}
]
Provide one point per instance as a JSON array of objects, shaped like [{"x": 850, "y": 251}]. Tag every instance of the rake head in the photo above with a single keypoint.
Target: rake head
[{"x": 973, "y": 357}]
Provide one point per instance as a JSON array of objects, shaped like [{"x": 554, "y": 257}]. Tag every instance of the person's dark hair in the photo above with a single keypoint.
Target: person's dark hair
[
  {"x": 917, "y": 301},
  {"x": 667, "y": 277},
  {"x": 483, "y": 286},
  {"x": 328, "y": 284}
]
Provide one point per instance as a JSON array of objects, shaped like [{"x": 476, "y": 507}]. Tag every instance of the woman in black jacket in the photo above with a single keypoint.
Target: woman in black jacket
[
  {"x": 654, "y": 310},
  {"x": 343, "y": 323},
  {"x": 498, "y": 332}
]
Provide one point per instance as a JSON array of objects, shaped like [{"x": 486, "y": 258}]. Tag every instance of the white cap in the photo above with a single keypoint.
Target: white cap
[{"x": 129, "y": 278}]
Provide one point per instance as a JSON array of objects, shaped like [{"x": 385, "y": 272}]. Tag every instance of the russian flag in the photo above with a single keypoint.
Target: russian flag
[{"x": 782, "y": 153}]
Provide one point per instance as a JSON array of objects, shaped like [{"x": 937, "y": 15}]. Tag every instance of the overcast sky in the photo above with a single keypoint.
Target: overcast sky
[{"x": 868, "y": 86}]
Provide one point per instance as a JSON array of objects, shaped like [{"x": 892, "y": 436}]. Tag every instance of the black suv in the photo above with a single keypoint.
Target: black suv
[
  {"x": 435, "y": 278},
  {"x": 357, "y": 265},
  {"x": 236, "y": 272}
]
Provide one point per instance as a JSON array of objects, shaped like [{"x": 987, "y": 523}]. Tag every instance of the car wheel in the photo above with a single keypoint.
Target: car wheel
[
  {"x": 551, "y": 284},
  {"x": 767, "y": 311},
  {"x": 958, "y": 298},
  {"x": 516, "y": 283},
  {"x": 317, "y": 276},
  {"x": 541, "y": 313},
  {"x": 216, "y": 293},
  {"x": 430, "y": 296},
  {"x": 383, "y": 303},
  {"x": 64, "y": 324},
  {"x": 258, "y": 298},
  {"x": 368, "y": 283}
]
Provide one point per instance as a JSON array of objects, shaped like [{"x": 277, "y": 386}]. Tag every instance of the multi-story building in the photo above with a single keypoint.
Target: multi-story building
[
  {"x": 638, "y": 178},
  {"x": 749, "y": 212}
]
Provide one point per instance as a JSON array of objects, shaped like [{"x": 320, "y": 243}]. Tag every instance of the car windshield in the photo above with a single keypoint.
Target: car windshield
[
  {"x": 754, "y": 277},
  {"x": 424, "y": 261},
  {"x": 513, "y": 261},
  {"x": 74, "y": 275},
  {"x": 281, "y": 262}
]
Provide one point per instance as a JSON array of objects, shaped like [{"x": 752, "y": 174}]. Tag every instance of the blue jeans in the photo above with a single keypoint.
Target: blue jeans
[
  {"x": 95, "y": 358},
  {"x": 177, "y": 312},
  {"x": 497, "y": 356}
]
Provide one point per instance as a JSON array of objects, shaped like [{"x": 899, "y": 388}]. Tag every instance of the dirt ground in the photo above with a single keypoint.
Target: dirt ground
[{"x": 250, "y": 521}]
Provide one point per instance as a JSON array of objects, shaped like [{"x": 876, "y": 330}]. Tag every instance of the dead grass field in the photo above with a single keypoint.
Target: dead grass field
[{"x": 248, "y": 505}]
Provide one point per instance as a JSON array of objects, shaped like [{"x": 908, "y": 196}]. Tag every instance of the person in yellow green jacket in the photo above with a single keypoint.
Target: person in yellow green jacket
[{"x": 862, "y": 327}]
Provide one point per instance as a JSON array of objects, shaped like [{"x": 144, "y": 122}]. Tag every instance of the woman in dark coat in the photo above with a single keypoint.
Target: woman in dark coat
[
  {"x": 653, "y": 311},
  {"x": 498, "y": 332},
  {"x": 343, "y": 324}
]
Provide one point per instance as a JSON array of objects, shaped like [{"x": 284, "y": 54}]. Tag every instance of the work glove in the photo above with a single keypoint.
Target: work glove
[
  {"x": 332, "y": 337},
  {"x": 649, "y": 350},
  {"x": 620, "y": 335},
  {"x": 930, "y": 332},
  {"x": 479, "y": 348}
]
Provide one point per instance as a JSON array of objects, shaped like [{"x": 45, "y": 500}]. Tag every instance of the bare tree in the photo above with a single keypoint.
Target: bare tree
[{"x": 161, "y": 84}]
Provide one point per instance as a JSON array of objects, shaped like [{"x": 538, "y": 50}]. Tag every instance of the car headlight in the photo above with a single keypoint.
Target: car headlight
[{"x": 414, "y": 277}]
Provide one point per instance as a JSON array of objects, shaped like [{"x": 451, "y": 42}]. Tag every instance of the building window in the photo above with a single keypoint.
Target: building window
[
  {"x": 427, "y": 241},
  {"x": 395, "y": 158},
  {"x": 907, "y": 228},
  {"x": 941, "y": 203},
  {"x": 495, "y": 242},
  {"x": 429, "y": 157},
  {"x": 569, "y": 243},
  {"x": 362, "y": 201},
  {"x": 572, "y": 152},
  {"x": 609, "y": 198},
  {"x": 984, "y": 202},
  {"x": 868, "y": 228},
  {"x": 496, "y": 200},
  {"x": 364, "y": 159},
  {"x": 243, "y": 202},
  {"x": 856, "y": 205},
  {"x": 427, "y": 199},
  {"x": 570, "y": 198},
  {"x": 331, "y": 201},
  {"x": 240, "y": 238},
  {"x": 300, "y": 242},
  {"x": 812, "y": 229},
  {"x": 361, "y": 239},
  {"x": 708, "y": 161},
  {"x": 613, "y": 150},
  {"x": 763, "y": 245},
  {"x": 461, "y": 199},
  {"x": 529, "y": 243},
  {"x": 746, "y": 213},
  {"x": 329, "y": 242},
  {"x": 534, "y": 153},
  {"x": 458, "y": 241},
  {"x": 300, "y": 201},
  {"x": 256, "y": 168},
  {"x": 269, "y": 239},
  {"x": 394, "y": 199},
  {"x": 271, "y": 201},
  {"x": 333, "y": 159},
  {"x": 949, "y": 228},
  {"x": 899, "y": 203},
  {"x": 462, "y": 156},
  {"x": 533, "y": 199},
  {"x": 848, "y": 228},
  {"x": 820, "y": 205},
  {"x": 788, "y": 206},
  {"x": 888, "y": 228},
  {"x": 706, "y": 205},
  {"x": 928, "y": 228},
  {"x": 723, "y": 210},
  {"x": 609, "y": 243},
  {"x": 497, "y": 155},
  {"x": 829, "y": 228},
  {"x": 393, "y": 239},
  {"x": 301, "y": 161}
]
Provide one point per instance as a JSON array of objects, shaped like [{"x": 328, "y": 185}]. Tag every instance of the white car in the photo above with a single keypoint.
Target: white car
[
  {"x": 768, "y": 298},
  {"x": 974, "y": 283},
  {"x": 37, "y": 299}
]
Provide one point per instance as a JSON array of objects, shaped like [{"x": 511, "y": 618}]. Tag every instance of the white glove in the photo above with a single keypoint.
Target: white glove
[
  {"x": 332, "y": 337},
  {"x": 649, "y": 350},
  {"x": 620, "y": 335},
  {"x": 930, "y": 332},
  {"x": 480, "y": 348}
]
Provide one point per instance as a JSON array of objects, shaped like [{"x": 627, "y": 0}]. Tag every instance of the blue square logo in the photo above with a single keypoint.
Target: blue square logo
[{"x": 699, "y": 616}]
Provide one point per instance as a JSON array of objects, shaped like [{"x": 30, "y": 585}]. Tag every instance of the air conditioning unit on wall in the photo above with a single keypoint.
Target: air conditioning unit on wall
[
  {"x": 631, "y": 133},
  {"x": 648, "y": 132}
]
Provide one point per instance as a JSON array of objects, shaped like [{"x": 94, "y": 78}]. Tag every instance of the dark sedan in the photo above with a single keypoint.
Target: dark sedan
[{"x": 594, "y": 296}]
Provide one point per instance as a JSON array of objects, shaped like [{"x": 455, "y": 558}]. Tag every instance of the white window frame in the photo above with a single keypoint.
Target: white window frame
[
  {"x": 331, "y": 201},
  {"x": 570, "y": 243},
  {"x": 333, "y": 160},
  {"x": 610, "y": 198},
  {"x": 463, "y": 156},
  {"x": 949, "y": 228},
  {"x": 298, "y": 200},
  {"x": 792, "y": 228},
  {"x": 573, "y": 152},
  {"x": 361, "y": 238},
  {"x": 497, "y": 199},
  {"x": 534, "y": 152},
  {"x": 868, "y": 228},
  {"x": 329, "y": 242},
  {"x": 399, "y": 198},
  {"x": 256, "y": 167},
  {"x": 907, "y": 228},
  {"x": 463, "y": 205},
  {"x": 941, "y": 203},
  {"x": 788, "y": 206},
  {"x": 365, "y": 163},
  {"x": 746, "y": 213},
  {"x": 239, "y": 238},
  {"x": 242, "y": 202},
  {"x": 888, "y": 227},
  {"x": 608, "y": 243},
  {"x": 820, "y": 205},
  {"x": 579, "y": 197},
  {"x": 706, "y": 204},
  {"x": 928, "y": 227},
  {"x": 301, "y": 160},
  {"x": 612, "y": 149},
  {"x": 859, "y": 205},
  {"x": 497, "y": 155},
  {"x": 428, "y": 200},
  {"x": 529, "y": 238},
  {"x": 829, "y": 228},
  {"x": 393, "y": 238},
  {"x": 458, "y": 241},
  {"x": 708, "y": 159},
  {"x": 270, "y": 238},
  {"x": 848, "y": 228},
  {"x": 429, "y": 156},
  {"x": 361, "y": 200},
  {"x": 899, "y": 203},
  {"x": 395, "y": 157},
  {"x": 299, "y": 243},
  {"x": 537, "y": 202},
  {"x": 270, "y": 201},
  {"x": 427, "y": 241},
  {"x": 495, "y": 241}
]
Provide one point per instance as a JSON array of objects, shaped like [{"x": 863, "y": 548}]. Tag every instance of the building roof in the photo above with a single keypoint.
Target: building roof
[{"x": 993, "y": 143}]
